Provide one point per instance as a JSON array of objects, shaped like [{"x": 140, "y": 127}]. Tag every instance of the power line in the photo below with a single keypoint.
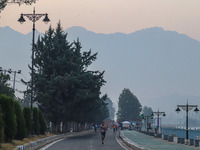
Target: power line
[{"x": 24, "y": 76}]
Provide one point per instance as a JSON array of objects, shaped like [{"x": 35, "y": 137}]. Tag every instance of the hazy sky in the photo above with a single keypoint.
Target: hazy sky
[{"x": 110, "y": 16}]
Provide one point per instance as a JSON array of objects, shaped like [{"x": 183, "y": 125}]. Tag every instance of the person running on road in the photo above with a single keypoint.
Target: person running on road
[
  {"x": 95, "y": 128},
  {"x": 103, "y": 132},
  {"x": 114, "y": 128}
]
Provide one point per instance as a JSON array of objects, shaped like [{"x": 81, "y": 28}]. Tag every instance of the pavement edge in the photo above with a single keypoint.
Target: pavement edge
[
  {"x": 34, "y": 145},
  {"x": 129, "y": 143}
]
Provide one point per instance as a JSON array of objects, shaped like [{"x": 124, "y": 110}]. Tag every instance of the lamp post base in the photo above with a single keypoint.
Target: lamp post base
[{"x": 186, "y": 142}]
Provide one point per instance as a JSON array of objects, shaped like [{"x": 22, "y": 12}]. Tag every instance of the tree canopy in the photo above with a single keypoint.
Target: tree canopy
[
  {"x": 4, "y": 85},
  {"x": 64, "y": 88},
  {"x": 110, "y": 108},
  {"x": 129, "y": 107},
  {"x": 147, "y": 111},
  {"x": 3, "y": 3}
]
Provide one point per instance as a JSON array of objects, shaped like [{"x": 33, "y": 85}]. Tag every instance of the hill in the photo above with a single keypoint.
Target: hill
[{"x": 153, "y": 63}]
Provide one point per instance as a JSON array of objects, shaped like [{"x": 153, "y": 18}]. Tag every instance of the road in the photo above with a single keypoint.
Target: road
[{"x": 91, "y": 141}]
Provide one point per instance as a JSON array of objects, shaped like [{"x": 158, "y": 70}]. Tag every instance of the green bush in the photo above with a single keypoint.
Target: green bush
[
  {"x": 28, "y": 119},
  {"x": 42, "y": 122},
  {"x": 1, "y": 127},
  {"x": 21, "y": 124},
  {"x": 9, "y": 118},
  {"x": 36, "y": 124}
]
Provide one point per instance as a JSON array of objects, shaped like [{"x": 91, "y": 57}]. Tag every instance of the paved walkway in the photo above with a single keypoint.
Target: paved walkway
[{"x": 149, "y": 142}]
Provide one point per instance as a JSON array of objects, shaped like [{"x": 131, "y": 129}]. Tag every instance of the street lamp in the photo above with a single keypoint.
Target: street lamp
[
  {"x": 33, "y": 17},
  {"x": 11, "y": 71},
  {"x": 187, "y": 108},
  {"x": 158, "y": 113}
]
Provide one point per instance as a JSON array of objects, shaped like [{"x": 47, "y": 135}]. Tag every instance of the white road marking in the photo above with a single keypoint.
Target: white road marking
[
  {"x": 119, "y": 142},
  {"x": 45, "y": 147}
]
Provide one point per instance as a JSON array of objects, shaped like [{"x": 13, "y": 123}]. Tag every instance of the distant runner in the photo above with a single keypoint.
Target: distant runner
[
  {"x": 95, "y": 128},
  {"x": 114, "y": 128},
  {"x": 103, "y": 132}
]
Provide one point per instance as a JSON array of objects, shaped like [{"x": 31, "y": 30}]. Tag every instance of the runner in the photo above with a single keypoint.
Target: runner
[
  {"x": 95, "y": 128},
  {"x": 103, "y": 132},
  {"x": 114, "y": 128}
]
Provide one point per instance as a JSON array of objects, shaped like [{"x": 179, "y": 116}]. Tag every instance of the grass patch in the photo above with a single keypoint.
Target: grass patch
[
  {"x": 12, "y": 146},
  {"x": 7, "y": 146}
]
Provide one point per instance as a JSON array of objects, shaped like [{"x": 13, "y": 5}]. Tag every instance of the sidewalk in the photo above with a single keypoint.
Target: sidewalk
[{"x": 151, "y": 143}]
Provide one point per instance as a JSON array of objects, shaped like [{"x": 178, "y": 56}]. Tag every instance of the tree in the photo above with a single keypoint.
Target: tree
[
  {"x": 3, "y": 3},
  {"x": 28, "y": 119},
  {"x": 9, "y": 118},
  {"x": 147, "y": 111},
  {"x": 42, "y": 123},
  {"x": 129, "y": 107},
  {"x": 64, "y": 88},
  {"x": 100, "y": 112},
  {"x": 110, "y": 108},
  {"x": 36, "y": 124},
  {"x": 21, "y": 124},
  {"x": 4, "y": 86}
]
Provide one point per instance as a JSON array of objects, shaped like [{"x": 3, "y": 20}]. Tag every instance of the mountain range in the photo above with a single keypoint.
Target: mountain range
[{"x": 162, "y": 68}]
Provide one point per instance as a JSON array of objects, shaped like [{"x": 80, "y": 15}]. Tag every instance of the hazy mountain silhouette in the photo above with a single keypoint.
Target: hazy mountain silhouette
[{"x": 152, "y": 63}]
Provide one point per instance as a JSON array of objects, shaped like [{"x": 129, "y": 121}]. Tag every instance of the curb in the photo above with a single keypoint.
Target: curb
[
  {"x": 34, "y": 145},
  {"x": 130, "y": 143}
]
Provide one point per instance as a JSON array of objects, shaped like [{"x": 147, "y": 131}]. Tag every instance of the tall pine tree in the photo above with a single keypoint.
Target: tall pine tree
[
  {"x": 64, "y": 87},
  {"x": 129, "y": 107}
]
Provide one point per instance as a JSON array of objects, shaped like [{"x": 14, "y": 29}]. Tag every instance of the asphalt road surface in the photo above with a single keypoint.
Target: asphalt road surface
[{"x": 87, "y": 142}]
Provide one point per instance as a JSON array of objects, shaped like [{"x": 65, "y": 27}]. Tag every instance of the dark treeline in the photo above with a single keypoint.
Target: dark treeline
[
  {"x": 17, "y": 123},
  {"x": 65, "y": 91},
  {"x": 64, "y": 88}
]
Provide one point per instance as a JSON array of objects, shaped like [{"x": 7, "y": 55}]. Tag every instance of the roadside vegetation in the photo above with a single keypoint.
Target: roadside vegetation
[
  {"x": 66, "y": 93},
  {"x": 13, "y": 124}
]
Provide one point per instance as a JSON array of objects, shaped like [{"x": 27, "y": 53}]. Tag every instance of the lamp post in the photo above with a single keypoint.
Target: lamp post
[
  {"x": 33, "y": 17},
  {"x": 187, "y": 108},
  {"x": 11, "y": 71},
  {"x": 158, "y": 113}
]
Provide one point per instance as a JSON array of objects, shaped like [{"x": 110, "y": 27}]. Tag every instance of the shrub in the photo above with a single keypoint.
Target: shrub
[
  {"x": 36, "y": 124},
  {"x": 1, "y": 127},
  {"x": 28, "y": 119},
  {"x": 9, "y": 118},
  {"x": 21, "y": 124},
  {"x": 42, "y": 122}
]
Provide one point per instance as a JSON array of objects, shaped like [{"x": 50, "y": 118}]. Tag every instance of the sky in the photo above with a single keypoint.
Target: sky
[{"x": 110, "y": 16}]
